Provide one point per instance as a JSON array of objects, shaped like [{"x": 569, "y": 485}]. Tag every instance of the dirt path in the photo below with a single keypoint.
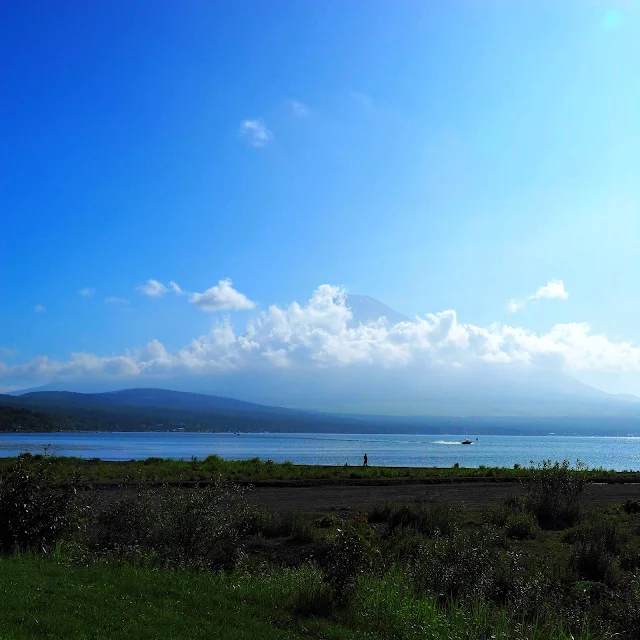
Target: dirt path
[{"x": 471, "y": 495}]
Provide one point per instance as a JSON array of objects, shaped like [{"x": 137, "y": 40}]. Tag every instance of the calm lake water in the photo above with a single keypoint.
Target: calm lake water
[{"x": 336, "y": 449}]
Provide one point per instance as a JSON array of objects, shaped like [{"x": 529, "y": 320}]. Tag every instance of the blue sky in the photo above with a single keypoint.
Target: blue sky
[{"x": 436, "y": 156}]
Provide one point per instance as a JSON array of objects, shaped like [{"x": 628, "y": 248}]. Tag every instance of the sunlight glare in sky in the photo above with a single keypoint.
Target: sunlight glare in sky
[{"x": 612, "y": 20}]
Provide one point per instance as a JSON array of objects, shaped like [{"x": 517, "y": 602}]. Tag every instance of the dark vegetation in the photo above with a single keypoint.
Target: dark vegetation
[
  {"x": 539, "y": 565},
  {"x": 18, "y": 419}
]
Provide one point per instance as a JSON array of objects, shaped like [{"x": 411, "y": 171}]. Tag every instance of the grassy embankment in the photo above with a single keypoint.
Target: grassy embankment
[{"x": 256, "y": 471}]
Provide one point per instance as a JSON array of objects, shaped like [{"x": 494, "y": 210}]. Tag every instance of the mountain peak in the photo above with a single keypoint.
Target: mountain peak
[{"x": 366, "y": 309}]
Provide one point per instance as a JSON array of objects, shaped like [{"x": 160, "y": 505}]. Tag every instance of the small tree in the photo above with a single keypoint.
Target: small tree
[{"x": 553, "y": 492}]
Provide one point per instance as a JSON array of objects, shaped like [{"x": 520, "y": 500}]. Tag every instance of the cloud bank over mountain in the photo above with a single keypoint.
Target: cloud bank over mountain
[{"x": 325, "y": 336}]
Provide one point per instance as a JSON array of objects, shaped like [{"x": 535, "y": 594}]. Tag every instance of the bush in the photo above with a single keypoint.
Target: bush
[
  {"x": 468, "y": 568},
  {"x": 599, "y": 531},
  {"x": 277, "y": 524},
  {"x": 552, "y": 493},
  {"x": 351, "y": 555},
  {"x": 522, "y": 526},
  {"x": 592, "y": 562},
  {"x": 380, "y": 512},
  {"x": 511, "y": 508},
  {"x": 404, "y": 545},
  {"x": 125, "y": 523},
  {"x": 428, "y": 520},
  {"x": 33, "y": 511},
  {"x": 174, "y": 527},
  {"x": 326, "y": 521},
  {"x": 458, "y": 567},
  {"x": 631, "y": 506}
]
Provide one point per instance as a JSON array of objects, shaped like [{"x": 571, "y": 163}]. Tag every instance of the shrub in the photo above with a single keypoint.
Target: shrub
[
  {"x": 380, "y": 512},
  {"x": 352, "y": 554},
  {"x": 428, "y": 520},
  {"x": 630, "y": 556},
  {"x": 592, "y": 562},
  {"x": 152, "y": 460},
  {"x": 600, "y": 532},
  {"x": 631, "y": 506},
  {"x": 511, "y": 508},
  {"x": 404, "y": 545},
  {"x": 521, "y": 526},
  {"x": 326, "y": 521},
  {"x": 125, "y": 523},
  {"x": 199, "y": 529},
  {"x": 276, "y": 524},
  {"x": 33, "y": 511},
  {"x": 552, "y": 493},
  {"x": 458, "y": 567}
]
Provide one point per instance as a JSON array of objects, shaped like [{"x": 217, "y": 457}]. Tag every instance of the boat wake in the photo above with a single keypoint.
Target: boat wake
[{"x": 446, "y": 442}]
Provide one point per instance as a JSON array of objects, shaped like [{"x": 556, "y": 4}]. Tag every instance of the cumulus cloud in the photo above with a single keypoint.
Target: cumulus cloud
[
  {"x": 155, "y": 289},
  {"x": 255, "y": 133},
  {"x": 221, "y": 297},
  {"x": 87, "y": 292},
  {"x": 39, "y": 308},
  {"x": 116, "y": 300},
  {"x": 299, "y": 109},
  {"x": 322, "y": 335},
  {"x": 553, "y": 289},
  {"x": 152, "y": 288}
]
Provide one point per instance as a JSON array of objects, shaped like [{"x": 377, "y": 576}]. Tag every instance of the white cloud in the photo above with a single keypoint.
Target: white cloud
[
  {"x": 155, "y": 289},
  {"x": 299, "y": 109},
  {"x": 255, "y": 133},
  {"x": 116, "y": 300},
  {"x": 152, "y": 288},
  {"x": 553, "y": 289},
  {"x": 322, "y": 335},
  {"x": 87, "y": 292},
  {"x": 221, "y": 297},
  {"x": 39, "y": 308},
  {"x": 514, "y": 305}
]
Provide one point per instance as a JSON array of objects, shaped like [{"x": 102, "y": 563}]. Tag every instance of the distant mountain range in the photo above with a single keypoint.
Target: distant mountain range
[{"x": 165, "y": 410}]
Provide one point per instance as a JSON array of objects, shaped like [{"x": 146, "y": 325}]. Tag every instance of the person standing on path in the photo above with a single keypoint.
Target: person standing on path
[{"x": 366, "y": 460}]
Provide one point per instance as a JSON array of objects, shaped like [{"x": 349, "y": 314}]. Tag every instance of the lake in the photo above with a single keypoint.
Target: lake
[{"x": 619, "y": 453}]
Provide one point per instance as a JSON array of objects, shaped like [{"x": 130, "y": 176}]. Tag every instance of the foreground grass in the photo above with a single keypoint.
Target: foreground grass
[
  {"x": 158, "y": 470},
  {"x": 42, "y": 598}
]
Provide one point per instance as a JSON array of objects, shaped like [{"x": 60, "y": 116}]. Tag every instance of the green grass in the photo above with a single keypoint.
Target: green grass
[
  {"x": 44, "y": 598},
  {"x": 158, "y": 470},
  {"x": 40, "y": 598}
]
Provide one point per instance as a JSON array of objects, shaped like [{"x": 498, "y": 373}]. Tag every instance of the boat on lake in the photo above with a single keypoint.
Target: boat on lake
[{"x": 467, "y": 441}]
